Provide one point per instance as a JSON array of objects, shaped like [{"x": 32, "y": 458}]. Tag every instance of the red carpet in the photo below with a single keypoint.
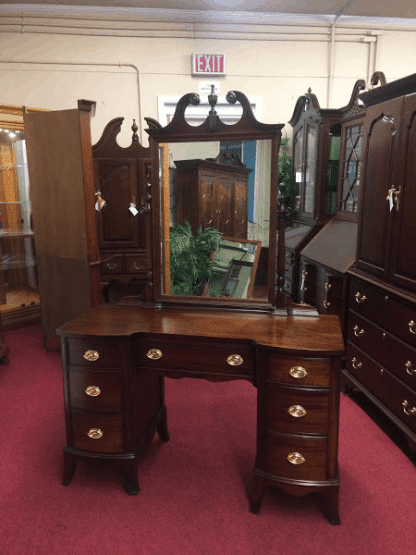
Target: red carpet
[{"x": 193, "y": 489}]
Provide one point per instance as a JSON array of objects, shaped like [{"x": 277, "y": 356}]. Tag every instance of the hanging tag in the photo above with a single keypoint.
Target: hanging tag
[
  {"x": 133, "y": 209},
  {"x": 100, "y": 202},
  {"x": 391, "y": 202}
]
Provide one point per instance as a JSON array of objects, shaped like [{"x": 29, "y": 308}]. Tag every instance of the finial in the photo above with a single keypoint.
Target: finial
[
  {"x": 134, "y": 128},
  {"x": 212, "y": 99}
]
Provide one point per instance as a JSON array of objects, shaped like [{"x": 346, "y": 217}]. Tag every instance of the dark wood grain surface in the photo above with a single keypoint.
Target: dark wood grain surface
[{"x": 306, "y": 334}]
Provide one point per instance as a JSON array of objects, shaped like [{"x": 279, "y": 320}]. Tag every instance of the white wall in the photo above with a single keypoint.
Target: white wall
[{"x": 124, "y": 64}]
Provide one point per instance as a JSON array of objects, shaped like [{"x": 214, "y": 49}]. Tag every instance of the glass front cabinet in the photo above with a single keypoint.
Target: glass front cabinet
[{"x": 19, "y": 295}]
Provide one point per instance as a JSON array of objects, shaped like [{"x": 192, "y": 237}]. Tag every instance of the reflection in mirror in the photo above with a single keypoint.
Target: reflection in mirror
[{"x": 216, "y": 212}]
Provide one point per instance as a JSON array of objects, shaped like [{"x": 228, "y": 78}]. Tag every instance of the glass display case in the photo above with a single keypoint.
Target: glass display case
[{"x": 19, "y": 295}]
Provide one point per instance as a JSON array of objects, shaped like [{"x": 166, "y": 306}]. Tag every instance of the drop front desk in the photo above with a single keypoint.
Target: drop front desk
[{"x": 115, "y": 358}]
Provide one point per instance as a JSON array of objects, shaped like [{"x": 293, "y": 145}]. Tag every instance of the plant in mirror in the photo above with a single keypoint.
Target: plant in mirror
[{"x": 215, "y": 213}]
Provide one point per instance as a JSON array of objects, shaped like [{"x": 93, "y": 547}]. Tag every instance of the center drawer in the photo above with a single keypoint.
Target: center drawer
[{"x": 196, "y": 356}]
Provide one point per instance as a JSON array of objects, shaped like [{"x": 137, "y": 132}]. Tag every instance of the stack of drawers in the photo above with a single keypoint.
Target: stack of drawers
[
  {"x": 381, "y": 351},
  {"x": 112, "y": 411},
  {"x": 301, "y": 407}
]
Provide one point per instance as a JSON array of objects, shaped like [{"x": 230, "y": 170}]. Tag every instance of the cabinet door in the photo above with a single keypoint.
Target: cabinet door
[
  {"x": 223, "y": 203},
  {"x": 403, "y": 268},
  {"x": 379, "y": 173},
  {"x": 117, "y": 180},
  {"x": 240, "y": 208}
]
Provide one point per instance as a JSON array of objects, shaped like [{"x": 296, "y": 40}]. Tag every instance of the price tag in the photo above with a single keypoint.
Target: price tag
[
  {"x": 133, "y": 209},
  {"x": 99, "y": 204},
  {"x": 391, "y": 202}
]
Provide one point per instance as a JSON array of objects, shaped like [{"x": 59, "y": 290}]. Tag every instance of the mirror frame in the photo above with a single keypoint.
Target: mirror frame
[{"x": 212, "y": 129}]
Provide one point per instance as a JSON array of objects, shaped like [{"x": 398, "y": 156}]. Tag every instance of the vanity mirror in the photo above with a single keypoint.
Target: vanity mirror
[{"x": 215, "y": 192}]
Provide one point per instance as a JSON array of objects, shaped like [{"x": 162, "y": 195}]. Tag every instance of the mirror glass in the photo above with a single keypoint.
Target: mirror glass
[{"x": 215, "y": 217}]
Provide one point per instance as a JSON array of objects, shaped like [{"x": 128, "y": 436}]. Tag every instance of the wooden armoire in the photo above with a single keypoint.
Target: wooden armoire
[
  {"x": 381, "y": 348},
  {"x": 213, "y": 193}
]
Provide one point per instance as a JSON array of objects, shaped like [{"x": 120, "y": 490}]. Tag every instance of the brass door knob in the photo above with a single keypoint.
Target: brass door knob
[
  {"x": 297, "y": 411},
  {"x": 296, "y": 458},
  {"x": 93, "y": 391},
  {"x": 235, "y": 360},
  {"x": 154, "y": 354},
  {"x": 298, "y": 372},
  {"x": 91, "y": 355},
  {"x": 95, "y": 433}
]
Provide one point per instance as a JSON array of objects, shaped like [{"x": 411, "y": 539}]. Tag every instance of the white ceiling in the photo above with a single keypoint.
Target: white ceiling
[{"x": 362, "y": 8}]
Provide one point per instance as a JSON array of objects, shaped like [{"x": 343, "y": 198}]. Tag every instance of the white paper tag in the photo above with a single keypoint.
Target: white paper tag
[
  {"x": 133, "y": 209},
  {"x": 391, "y": 203},
  {"x": 99, "y": 204}
]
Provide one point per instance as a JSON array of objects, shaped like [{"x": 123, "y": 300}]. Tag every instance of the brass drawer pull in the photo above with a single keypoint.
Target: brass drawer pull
[
  {"x": 296, "y": 458},
  {"x": 304, "y": 273},
  {"x": 327, "y": 286},
  {"x": 411, "y": 371},
  {"x": 412, "y": 327},
  {"x": 95, "y": 433},
  {"x": 93, "y": 391},
  {"x": 235, "y": 360},
  {"x": 355, "y": 364},
  {"x": 358, "y": 332},
  {"x": 408, "y": 412},
  {"x": 326, "y": 304},
  {"x": 297, "y": 411},
  {"x": 360, "y": 298},
  {"x": 298, "y": 372},
  {"x": 91, "y": 355},
  {"x": 154, "y": 354}
]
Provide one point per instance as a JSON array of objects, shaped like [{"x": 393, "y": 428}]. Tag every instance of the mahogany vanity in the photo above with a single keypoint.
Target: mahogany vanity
[{"x": 115, "y": 356}]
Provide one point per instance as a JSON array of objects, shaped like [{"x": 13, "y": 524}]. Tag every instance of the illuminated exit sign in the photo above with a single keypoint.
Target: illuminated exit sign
[{"x": 208, "y": 64}]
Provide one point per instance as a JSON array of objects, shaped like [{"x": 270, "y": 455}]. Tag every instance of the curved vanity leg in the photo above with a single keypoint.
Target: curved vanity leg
[
  {"x": 256, "y": 495},
  {"x": 328, "y": 505},
  {"x": 162, "y": 428},
  {"x": 129, "y": 468},
  {"x": 69, "y": 468}
]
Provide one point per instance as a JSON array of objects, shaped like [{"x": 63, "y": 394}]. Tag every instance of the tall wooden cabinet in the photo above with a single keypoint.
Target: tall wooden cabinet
[
  {"x": 381, "y": 351},
  {"x": 62, "y": 193},
  {"x": 122, "y": 191},
  {"x": 213, "y": 193},
  {"x": 315, "y": 155}
]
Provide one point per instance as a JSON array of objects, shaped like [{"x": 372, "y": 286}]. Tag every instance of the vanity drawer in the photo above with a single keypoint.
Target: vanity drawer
[
  {"x": 385, "y": 309},
  {"x": 106, "y": 428},
  {"x": 396, "y": 356},
  {"x": 299, "y": 372},
  {"x": 196, "y": 356},
  {"x": 396, "y": 396},
  {"x": 93, "y": 390},
  {"x": 93, "y": 353},
  {"x": 296, "y": 457},
  {"x": 135, "y": 263},
  {"x": 297, "y": 410}
]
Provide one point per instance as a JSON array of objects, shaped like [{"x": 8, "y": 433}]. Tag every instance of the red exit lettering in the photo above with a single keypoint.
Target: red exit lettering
[{"x": 209, "y": 64}]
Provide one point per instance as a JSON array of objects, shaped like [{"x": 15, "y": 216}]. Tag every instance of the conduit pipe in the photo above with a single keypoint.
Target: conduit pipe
[{"x": 91, "y": 64}]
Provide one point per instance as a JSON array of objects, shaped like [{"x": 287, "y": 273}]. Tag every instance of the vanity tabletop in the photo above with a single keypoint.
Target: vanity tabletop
[{"x": 307, "y": 334}]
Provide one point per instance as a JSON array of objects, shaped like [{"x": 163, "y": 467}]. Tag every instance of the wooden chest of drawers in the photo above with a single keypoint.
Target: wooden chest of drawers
[{"x": 381, "y": 351}]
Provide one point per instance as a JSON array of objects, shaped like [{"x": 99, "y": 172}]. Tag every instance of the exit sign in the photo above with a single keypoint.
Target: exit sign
[{"x": 208, "y": 64}]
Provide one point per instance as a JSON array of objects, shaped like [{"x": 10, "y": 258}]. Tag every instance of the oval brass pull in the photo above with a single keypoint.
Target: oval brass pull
[
  {"x": 358, "y": 332},
  {"x": 408, "y": 412},
  {"x": 412, "y": 327},
  {"x": 296, "y": 458},
  {"x": 93, "y": 391},
  {"x": 297, "y": 411},
  {"x": 95, "y": 433},
  {"x": 355, "y": 364},
  {"x": 411, "y": 371},
  {"x": 154, "y": 354},
  {"x": 298, "y": 372},
  {"x": 327, "y": 286},
  {"x": 360, "y": 298},
  {"x": 326, "y": 304},
  {"x": 234, "y": 360},
  {"x": 91, "y": 355}
]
